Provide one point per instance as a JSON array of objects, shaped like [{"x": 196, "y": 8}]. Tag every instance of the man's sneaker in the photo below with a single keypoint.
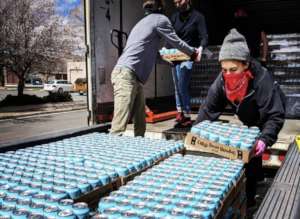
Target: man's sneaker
[
  {"x": 187, "y": 123},
  {"x": 184, "y": 122}
]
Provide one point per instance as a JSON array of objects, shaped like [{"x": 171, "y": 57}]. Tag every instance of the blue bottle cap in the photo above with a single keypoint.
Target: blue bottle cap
[
  {"x": 106, "y": 203},
  {"x": 20, "y": 214},
  {"x": 81, "y": 210},
  {"x": 223, "y": 140},
  {"x": 35, "y": 216},
  {"x": 213, "y": 137},
  {"x": 235, "y": 143},
  {"x": 4, "y": 187},
  {"x": 66, "y": 214},
  {"x": 177, "y": 211},
  {"x": 204, "y": 134},
  {"x": 37, "y": 208},
  {"x": 200, "y": 214},
  {"x": 195, "y": 130},
  {"x": 149, "y": 214},
  {"x": 58, "y": 194},
  {"x": 246, "y": 146},
  {"x": 66, "y": 204},
  {"x": 84, "y": 186},
  {"x": 72, "y": 191},
  {"x": 112, "y": 176},
  {"x": 12, "y": 184},
  {"x": 2, "y": 196},
  {"x": 10, "y": 200},
  {"x": 7, "y": 210},
  {"x": 131, "y": 213},
  {"x": 122, "y": 171},
  {"x": 183, "y": 204},
  {"x": 101, "y": 216},
  {"x": 51, "y": 210}
]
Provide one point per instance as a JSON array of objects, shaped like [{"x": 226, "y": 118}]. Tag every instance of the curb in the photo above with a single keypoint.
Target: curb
[
  {"x": 39, "y": 113},
  {"x": 31, "y": 110},
  {"x": 46, "y": 106}
]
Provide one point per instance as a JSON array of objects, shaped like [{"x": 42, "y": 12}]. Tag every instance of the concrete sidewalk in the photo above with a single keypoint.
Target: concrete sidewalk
[{"x": 28, "y": 110}]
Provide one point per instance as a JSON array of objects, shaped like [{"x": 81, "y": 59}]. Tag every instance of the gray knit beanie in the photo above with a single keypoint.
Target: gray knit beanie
[{"x": 234, "y": 47}]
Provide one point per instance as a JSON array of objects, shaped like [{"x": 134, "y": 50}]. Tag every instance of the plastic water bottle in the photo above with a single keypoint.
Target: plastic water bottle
[
  {"x": 81, "y": 210},
  {"x": 66, "y": 214}
]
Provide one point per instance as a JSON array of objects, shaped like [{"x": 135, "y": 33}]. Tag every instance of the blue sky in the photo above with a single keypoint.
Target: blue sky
[{"x": 63, "y": 7}]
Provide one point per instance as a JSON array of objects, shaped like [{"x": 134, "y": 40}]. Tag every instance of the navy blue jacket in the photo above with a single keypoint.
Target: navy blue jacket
[{"x": 192, "y": 30}]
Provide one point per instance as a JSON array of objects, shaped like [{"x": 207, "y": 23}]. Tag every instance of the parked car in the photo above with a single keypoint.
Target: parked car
[
  {"x": 34, "y": 82},
  {"x": 59, "y": 86}
]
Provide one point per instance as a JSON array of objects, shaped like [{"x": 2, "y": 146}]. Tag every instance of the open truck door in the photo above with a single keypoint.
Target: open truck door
[{"x": 107, "y": 25}]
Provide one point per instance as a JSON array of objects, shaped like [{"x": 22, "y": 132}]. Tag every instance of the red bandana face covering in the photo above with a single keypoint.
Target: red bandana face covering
[{"x": 236, "y": 85}]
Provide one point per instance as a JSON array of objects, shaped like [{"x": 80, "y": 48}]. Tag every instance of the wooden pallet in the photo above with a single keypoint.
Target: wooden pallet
[
  {"x": 237, "y": 189},
  {"x": 92, "y": 198},
  {"x": 283, "y": 198}
]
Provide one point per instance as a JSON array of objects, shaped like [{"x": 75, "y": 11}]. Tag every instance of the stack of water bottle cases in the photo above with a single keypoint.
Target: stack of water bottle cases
[
  {"x": 172, "y": 55},
  {"x": 203, "y": 75},
  {"x": 284, "y": 64},
  {"x": 180, "y": 187},
  {"x": 234, "y": 135},
  {"x": 47, "y": 180},
  {"x": 188, "y": 186},
  {"x": 43, "y": 181}
]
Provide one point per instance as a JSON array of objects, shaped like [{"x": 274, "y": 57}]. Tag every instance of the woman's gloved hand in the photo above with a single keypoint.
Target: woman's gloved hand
[{"x": 260, "y": 148}]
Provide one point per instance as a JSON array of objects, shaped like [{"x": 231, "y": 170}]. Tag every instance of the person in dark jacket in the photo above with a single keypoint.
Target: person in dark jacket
[
  {"x": 190, "y": 26},
  {"x": 250, "y": 90},
  {"x": 254, "y": 33}
]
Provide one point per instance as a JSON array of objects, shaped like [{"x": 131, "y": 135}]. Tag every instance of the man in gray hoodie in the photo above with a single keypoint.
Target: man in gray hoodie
[{"x": 135, "y": 65}]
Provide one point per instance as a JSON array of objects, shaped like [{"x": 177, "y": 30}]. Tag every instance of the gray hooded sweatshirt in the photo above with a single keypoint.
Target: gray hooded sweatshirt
[{"x": 143, "y": 44}]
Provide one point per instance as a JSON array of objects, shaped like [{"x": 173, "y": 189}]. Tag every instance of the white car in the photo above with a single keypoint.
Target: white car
[{"x": 59, "y": 86}]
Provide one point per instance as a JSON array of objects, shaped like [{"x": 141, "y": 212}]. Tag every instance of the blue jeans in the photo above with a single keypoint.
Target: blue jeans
[{"x": 182, "y": 74}]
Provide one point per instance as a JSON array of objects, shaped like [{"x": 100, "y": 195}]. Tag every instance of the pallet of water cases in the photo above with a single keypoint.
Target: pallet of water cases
[
  {"x": 92, "y": 198},
  {"x": 196, "y": 143},
  {"x": 131, "y": 176},
  {"x": 235, "y": 200}
]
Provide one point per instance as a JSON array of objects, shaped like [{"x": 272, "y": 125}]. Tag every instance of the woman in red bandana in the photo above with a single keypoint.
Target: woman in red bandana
[{"x": 254, "y": 96}]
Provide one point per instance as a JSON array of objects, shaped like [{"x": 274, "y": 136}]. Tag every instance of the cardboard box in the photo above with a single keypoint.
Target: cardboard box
[
  {"x": 179, "y": 56},
  {"x": 195, "y": 143}
]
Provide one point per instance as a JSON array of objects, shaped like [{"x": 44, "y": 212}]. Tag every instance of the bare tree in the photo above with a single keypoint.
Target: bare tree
[{"x": 30, "y": 36}]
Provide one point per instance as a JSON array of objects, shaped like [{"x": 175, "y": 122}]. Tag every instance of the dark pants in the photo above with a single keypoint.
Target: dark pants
[{"x": 253, "y": 173}]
